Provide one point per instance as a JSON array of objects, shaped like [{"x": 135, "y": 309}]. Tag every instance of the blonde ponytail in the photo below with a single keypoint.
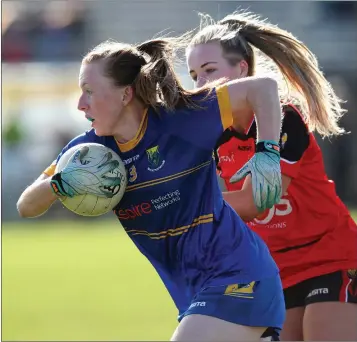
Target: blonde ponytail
[{"x": 241, "y": 32}]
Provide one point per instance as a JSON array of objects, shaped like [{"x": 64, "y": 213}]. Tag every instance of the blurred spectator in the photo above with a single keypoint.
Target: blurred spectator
[
  {"x": 54, "y": 32},
  {"x": 339, "y": 10},
  {"x": 62, "y": 31},
  {"x": 17, "y": 29}
]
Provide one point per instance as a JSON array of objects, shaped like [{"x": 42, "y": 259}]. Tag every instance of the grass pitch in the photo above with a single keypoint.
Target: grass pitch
[
  {"x": 80, "y": 281},
  {"x": 65, "y": 281}
]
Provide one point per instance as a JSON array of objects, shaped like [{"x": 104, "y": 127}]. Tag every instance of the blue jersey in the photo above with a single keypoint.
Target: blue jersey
[{"x": 173, "y": 208}]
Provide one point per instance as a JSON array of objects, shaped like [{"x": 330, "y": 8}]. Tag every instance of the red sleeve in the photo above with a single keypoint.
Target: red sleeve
[
  {"x": 290, "y": 169},
  {"x": 294, "y": 141}
]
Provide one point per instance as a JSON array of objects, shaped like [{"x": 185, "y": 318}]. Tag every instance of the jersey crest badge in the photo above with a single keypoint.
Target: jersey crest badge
[{"x": 154, "y": 158}]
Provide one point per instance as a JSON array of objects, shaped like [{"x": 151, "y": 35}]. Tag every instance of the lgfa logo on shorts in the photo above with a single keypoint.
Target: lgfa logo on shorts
[
  {"x": 240, "y": 290},
  {"x": 154, "y": 158},
  {"x": 284, "y": 139}
]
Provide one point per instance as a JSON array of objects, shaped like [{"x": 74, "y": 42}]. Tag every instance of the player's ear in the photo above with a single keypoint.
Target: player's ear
[
  {"x": 127, "y": 95},
  {"x": 243, "y": 68}
]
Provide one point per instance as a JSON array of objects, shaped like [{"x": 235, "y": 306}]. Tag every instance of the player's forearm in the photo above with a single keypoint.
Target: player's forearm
[
  {"x": 36, "y": 199},
  {"x": 243, "y": 206},
  {"x": 265, "y": 102},
  {"x": 260, "y": 95}
]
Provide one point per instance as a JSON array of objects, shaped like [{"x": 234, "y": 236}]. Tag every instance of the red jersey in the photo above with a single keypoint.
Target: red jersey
[{"x": 310, "y": 231}]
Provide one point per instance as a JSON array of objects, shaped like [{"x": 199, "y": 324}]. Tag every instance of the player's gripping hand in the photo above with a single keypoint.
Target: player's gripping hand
[
  {"x": 81, "y": 176},
  {"x": 264, "y": 167}
]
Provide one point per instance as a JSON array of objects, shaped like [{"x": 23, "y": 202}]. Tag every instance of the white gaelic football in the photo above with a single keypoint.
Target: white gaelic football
[{"x": 89, "y": 204}]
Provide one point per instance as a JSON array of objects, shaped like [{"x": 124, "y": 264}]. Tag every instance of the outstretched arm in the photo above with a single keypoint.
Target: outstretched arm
[{"x": 37, "y": 198}]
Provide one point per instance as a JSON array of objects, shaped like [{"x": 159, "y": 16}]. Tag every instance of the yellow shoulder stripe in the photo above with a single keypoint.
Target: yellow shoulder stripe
[
  {"x": 224, "y": 104},
  {"x": 50, "y": 171}
]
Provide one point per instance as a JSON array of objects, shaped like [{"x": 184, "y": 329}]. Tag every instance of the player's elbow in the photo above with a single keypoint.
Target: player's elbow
[
  {"x": 263, "y": 86},
  {"x": 269, "y": 82},
  {"x": 22, "y": 210},
  {"x": 36, "y": 199},
  {"x": 27, "y": 209},
  {"x": 28, "y": 212},
  {"x": 251, "y": 93}
]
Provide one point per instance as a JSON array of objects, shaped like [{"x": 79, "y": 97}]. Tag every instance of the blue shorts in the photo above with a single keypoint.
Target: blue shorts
[{"x": 257, "y": 304}]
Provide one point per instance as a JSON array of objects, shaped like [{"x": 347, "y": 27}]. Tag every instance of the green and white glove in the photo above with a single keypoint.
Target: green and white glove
[
  {"x": 264, "y": 167},
  {"x": 81, "y": 176}
]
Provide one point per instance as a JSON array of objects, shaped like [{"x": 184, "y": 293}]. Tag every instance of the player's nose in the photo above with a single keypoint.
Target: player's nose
[{"x": 82, "y": 105}]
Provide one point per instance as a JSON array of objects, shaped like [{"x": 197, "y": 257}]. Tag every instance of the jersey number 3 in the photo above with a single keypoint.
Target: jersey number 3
[{"x": 132, "y": 174}]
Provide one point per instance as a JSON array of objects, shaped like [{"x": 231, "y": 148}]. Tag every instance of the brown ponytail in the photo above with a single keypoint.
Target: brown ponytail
[
  {"x": 240, "y": 32},
  {"x": 157, "y": 79},
  {"x": 148, "y": 68}
]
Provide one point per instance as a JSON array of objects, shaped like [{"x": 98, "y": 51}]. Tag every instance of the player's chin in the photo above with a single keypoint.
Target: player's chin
[{"x": 101, "y": 132}]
